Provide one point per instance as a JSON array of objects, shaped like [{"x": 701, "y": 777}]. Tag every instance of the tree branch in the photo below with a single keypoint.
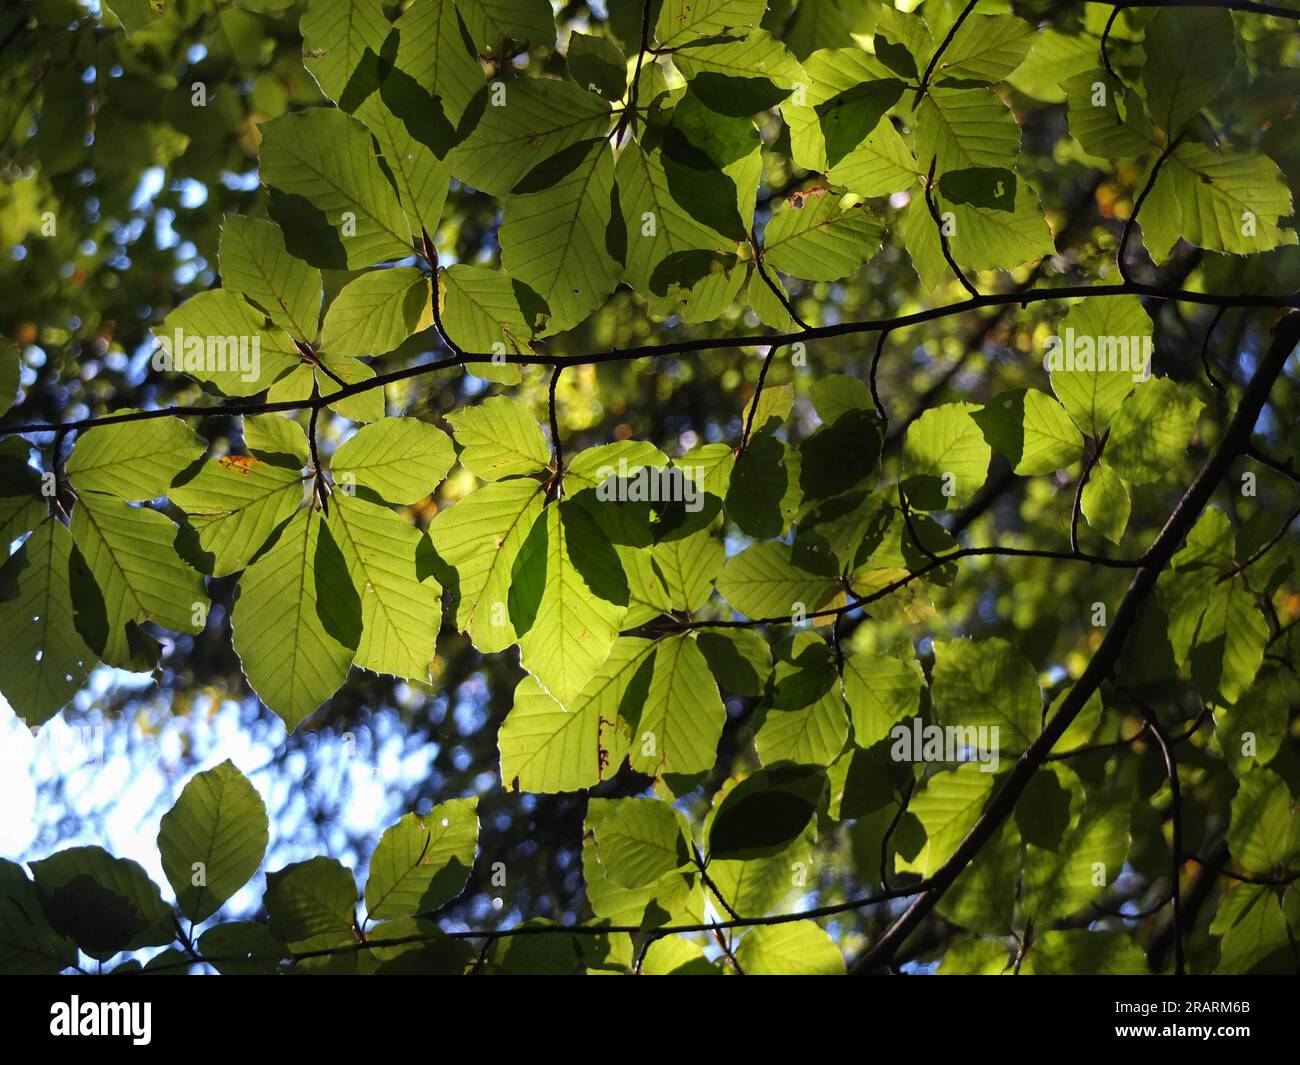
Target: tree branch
[
  {"x": 1234, "y": 441},
  {"x": 683, "y": 347}
]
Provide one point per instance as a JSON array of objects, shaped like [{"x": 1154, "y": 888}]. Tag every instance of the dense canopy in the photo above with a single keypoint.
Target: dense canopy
[{"x": 820, "y": 478}]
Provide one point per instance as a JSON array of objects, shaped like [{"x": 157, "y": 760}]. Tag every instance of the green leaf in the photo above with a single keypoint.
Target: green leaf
[
  {"x": 837, "y": 123},
  {"x": 975, "y": 957},
  {"x": 554, "y": 237},
  {"x": 526, "y": 120},
  {"x": 798, "y": 948},
  {"x": 234, "y": 503},
  {"x": 1221, "y": 200},
  {"x": 499, "y": 438},
  {"x": 841, "y": 456},
  {"x": 484, "y": 310},
  {"x": 419, "y": 174},
  {"x": 212, "y": 840},
  {"x": 255, "y": 263},
  {"x": 546, "y": 748},
  {"x": 312, "y": 903},
  {"x": 1076, "y": 952},
  {"x": 765, "y": 812},
  {"x": 135, "y": 461},
  {"x": 46, "y": 659},
  {"x": 1152, "y": 430},
  {"x": 639, "y": 840},
  {"x": 1089, "y": 858},
  {"x": 297, "y": 387},
  {"x": 351, "y": 216},
  {"x": 337, "y": 35},
  {"x": 976, "y": 900},
  {"x": 821, "y": 239},
  {"x": 248, "y": 948},
  {"x": 435, "y": 954},
  {"x": 880, "y": 166},
  {"x": 493, "y": 23},
  {"x": 763, "y": 581},
  {"x": 961, "y": 129},
  {"x": 1108, "y": 122},
  {"x": 1102, "y": 350},
  {"x": 676, "y": 897},
  {"x": 568, "y": 596},
  {"x": 703, "y": 297},
  {"x": 1189, "y": 58},
  {"x": 881, "y": 691},
  {"x": 1256, "y": 937},
  {"x": 947, "y": 808},
  {"x": 803, "y": 719},
  {"x": 422, "y": 862},
  {"x": 713, "y": 163},
  {"x": 218, "y": 338},
  {"x": 986, "y": 47},
  {"x": 671, "y": 240},
  {"x": 681, "y": 21},
  {"x": 676, "y": 956},
  {"x": 403, "y": 459},
  {"x": 432, "y": 51},
  {"x": 835, "y": 395},
  {"x": 479, "y": 538},
  {"x": 739, "y": 76},
  {"x": 903, "y": 41},
  {"x": 20, "y": 514},
  {"x": 995, "y": 221},
  {"x": 1053, "y": 60},
  {"x": 945, "y": 456},
  {"x": 1214, "y": 620},
  {"x": 1051, "y": 442},
  {"x": 1251, "y": 732},
  {"x": 104, "y": 904},
  {"x": 597, "y": 63},
  {"x": 764, "y": 494},
  {"x": 28, "y": 945},
  {"x": 400, "y": 614},
  {"x": 376, "y": 312},
  {"x": 276, "y": 439},
  {"x": 296, "y": 624},
  {"x": 770, "y": 300},
  {"x": 987, "y": 683},
  {"x": 740, "y": 658},
  {"x": 1105, "y": 502},
  {"x": 1264, "y": 834},
  {"x": 676, "y": 727},
  {"x": 135, "y": 15},
  {"x": 689, "y": 566},
  {"x": 129, "y": 552}
]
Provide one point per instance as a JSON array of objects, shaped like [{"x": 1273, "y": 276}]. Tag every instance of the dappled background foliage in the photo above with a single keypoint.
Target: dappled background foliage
[{"x": 810, "y": 255}]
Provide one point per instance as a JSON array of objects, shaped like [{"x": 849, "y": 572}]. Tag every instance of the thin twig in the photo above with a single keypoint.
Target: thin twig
[
  {"x": 938, "y": 52},
  {"x": 782, "y": 298},
  {"x": 1176, "y": 820},
  {"x": 943, "y": 236},
  {"x": 1105, "y": 36},
  {"x": 753, "y": 404},
  {"x": 1094, "y": 456},
  {"x": 431, "y": 257},
  {"x": 1205, "y": 349},
  {"x": 1121, "y": 253},
  {"x": 633, "y": 92},
  {"x": 664, "y": 350},
  {"x": 875, "y": 392}
]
